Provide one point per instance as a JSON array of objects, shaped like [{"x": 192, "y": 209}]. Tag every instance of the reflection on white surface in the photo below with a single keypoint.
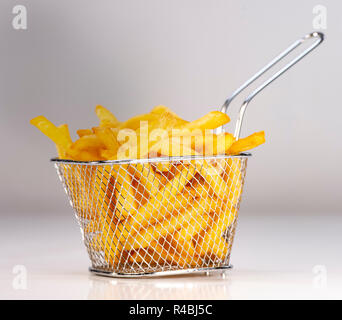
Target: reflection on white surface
[
  {"x": 214, "y": 286},
  {"x": 274, "y": 258},
  {"x": 233, "y": 285}
]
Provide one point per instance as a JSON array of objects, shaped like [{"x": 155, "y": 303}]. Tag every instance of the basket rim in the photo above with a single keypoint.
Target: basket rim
[
  {"x": 148, "y": 160},
  {"x": 153, "y": 274}
]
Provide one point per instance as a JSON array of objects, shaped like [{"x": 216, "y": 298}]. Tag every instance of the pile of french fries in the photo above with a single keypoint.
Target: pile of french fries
[{"x": 167, "y": 212}]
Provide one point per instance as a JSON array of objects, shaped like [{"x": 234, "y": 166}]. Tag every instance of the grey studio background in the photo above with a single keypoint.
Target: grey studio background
[{"x": 188, "y": 55}]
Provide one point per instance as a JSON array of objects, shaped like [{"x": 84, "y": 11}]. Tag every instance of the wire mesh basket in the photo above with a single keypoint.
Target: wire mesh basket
[
  {"x": 149, "y": 216},
  {"x": 164, "y": 215}
]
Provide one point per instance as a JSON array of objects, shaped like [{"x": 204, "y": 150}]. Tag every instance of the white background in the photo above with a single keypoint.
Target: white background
[{"x": 131, "y": 55}]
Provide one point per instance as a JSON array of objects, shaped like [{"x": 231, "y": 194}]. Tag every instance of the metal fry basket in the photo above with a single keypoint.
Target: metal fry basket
[
  {"x": 163, "y": 216},
  {"x": 136, "y": 219}
]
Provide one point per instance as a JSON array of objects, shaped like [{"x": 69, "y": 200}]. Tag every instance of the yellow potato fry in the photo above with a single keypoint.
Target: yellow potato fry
[
  {"x": 84, "y": 155},
  {"x": 107, "y": 155},
  {"x": 163, "y": 166},
  {"x": 233, "y": 178},
  {"x": 107, "y": 119},
  {"x": 129, "y": 147},
  {"x": 212, "y": 243},
  {"x": 212, "y": 175},
  {"x": 134, "y": 122},
  {"x": 124, "y": 191},
  {"x": 64, "y": 128},
  {"x": 57, "y": 135},
  {"x": 111, "y": 246},
  {"x": 145, "y": 237},
  {"x": 141, "y": 195},
  {"x": 167, "y": 119},
  {"x": 162, "y": 199},
  {"x": 168, "y": 175},
  {"x": 224, "y": 141},
  {"x": 170, "y": 141},
  {"x": 204, "y": 143},
  {"x": 211, "y": 120},
  {"x": 148, "y": 256},
  {"x": 198, "y": 188},
  {"x": 209, "y": 144},
  {"x": 62, "y": 152},
  {"x": 187, "y": 253},
  {"x": 90, "y": 142},
  {"x": 217, "y": 248},
  {"x": 193, "y": 221},
  {"x": 148, "y": 177},
  {"x": 177, "y": 149},
  {"x": 105, "y": 186},
  {"x": 160, "y": 110},
  {"x": 84, "y": 132},
  {"x": 131, "y": 226},
  {"x": 181, "y": 240},
  {"x": 108, "y": 137},
  {"x": 109, "y": 240},
  {"x": 86, "y": 148},
  {"x": 172, "y": 147},
  {"x": 157, "y": 254},
  {"x": 247, "y": 143}
]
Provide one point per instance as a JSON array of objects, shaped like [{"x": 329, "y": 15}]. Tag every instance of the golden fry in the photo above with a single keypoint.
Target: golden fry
[
  {"x": 162, "y": 199},
  {"x": 224, "y": 141},
  {"x": 84, "y": 132},
  {"x": 86, "y": 148},
  {"x": 160, "y": 110},
  {"x": 211, "y": 120},
  {"x": 212, "y": 175},
  {"x": 199, "y": 220},
  {"x": 107, "y": 119},
  {"x": 148, "y": 177},
  {"x": 57, "y": 135},
  {"x": 62, "y": 152},
  {"x": 188, "y": 138},
  {"x": 157, "y": 254},
  {"x": 145, "y": 237},
  {"x": 131, "y": 226},
  {"x": 211, "y": 243},
  {"x": 172, "y": 148},
  {"x": 124, "y": 191},
  {"x": 134, "y": 122},
  {"x": 247, "y": 143},
  {"x": 108, "y": 137}
]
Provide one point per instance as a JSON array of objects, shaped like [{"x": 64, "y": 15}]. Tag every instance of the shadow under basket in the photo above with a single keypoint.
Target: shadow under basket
[{"x": 159, "y": 216}]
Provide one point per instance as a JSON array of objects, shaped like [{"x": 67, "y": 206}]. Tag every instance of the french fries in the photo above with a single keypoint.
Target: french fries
[
  {"x": 59, "y": 135},
  {"x": 174, "y": 211},
  {"x": 247, "y": 143},
  {"x": 212, "y": 120},
  {"x": 107, "y": 119}
]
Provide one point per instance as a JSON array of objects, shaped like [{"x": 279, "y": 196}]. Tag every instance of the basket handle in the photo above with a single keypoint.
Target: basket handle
[{"x": 318, "y": 35}]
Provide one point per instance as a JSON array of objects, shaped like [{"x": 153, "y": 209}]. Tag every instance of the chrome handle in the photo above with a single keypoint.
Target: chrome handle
[{"x": 320, "y": 38}]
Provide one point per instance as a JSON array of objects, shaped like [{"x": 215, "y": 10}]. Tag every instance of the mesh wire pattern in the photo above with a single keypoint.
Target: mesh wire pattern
[{"x": 156, "y": 215}]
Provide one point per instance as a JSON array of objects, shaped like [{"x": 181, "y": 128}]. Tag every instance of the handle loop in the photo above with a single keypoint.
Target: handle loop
[{"x": 318, "y": 35}]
